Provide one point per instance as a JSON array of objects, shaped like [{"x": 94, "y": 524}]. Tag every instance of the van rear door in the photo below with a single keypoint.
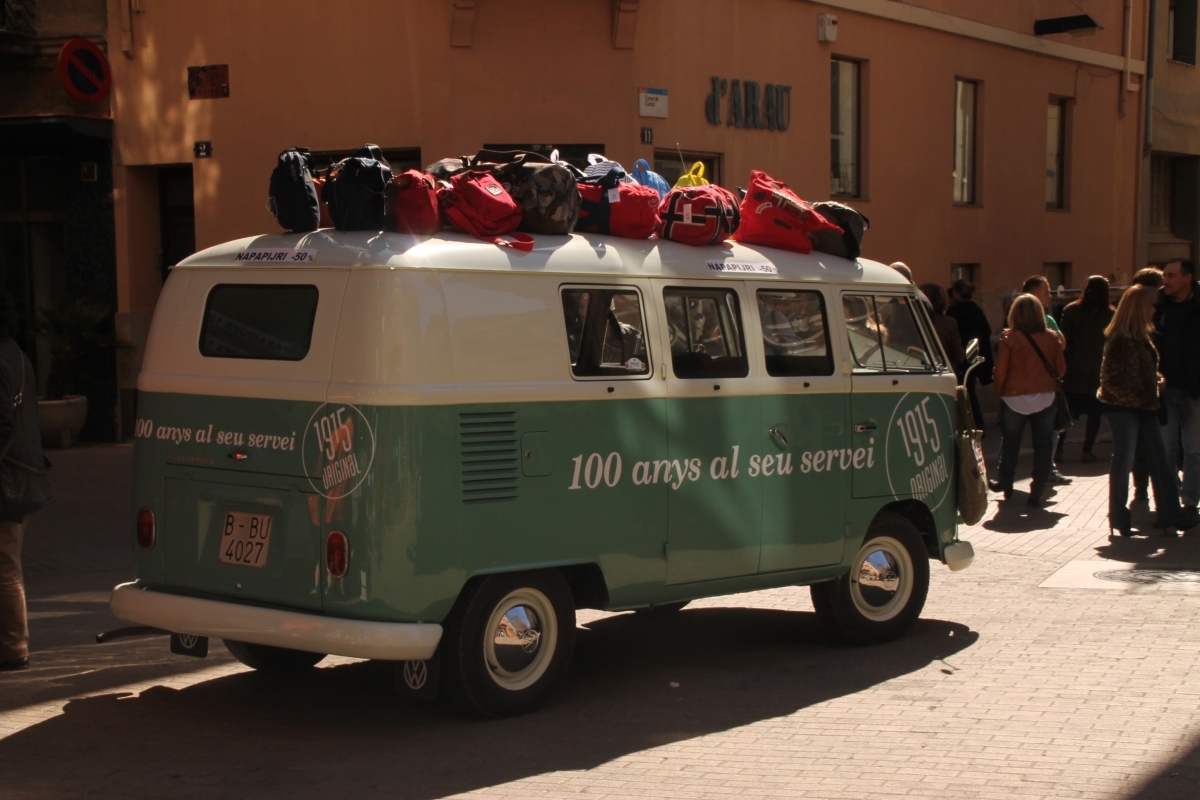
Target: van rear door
[{"x": 226, "y": 407}]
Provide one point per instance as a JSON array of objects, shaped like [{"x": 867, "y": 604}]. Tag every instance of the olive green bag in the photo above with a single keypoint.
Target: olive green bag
[{"x": 972, "y": 472}]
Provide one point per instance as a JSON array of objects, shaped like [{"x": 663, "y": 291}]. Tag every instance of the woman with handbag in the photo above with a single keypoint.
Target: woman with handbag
[
  {"x": 1130, "y": 386},
  {"x": 24, "y": 487},
  {"x": 1029, "y": 366}
]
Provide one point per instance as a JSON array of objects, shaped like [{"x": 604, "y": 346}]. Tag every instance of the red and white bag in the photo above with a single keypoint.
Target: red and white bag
[
  {"x": 475, "y": 203},
  {"x": 413, "y": 202},
  {"x": 698, "y": 215},
  {"x": 621, "y": 209},
  {"x": 774, "y": 216}
]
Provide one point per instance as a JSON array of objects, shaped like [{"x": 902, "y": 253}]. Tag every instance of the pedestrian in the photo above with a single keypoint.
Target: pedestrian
[
  {"x": 23, "y": 484},
  {"x": 972, "y": 324},
  {"x": 1039, "y": 287},
  {"x": 1130, "y": 385},
  {"x": 1177, "y": 334},
  {"x": 1147, "y": 276},
  {"x": 1027, "y": 392},
  {"x": 1083, "y": 324},
  {"x": 946, "y": 328}
]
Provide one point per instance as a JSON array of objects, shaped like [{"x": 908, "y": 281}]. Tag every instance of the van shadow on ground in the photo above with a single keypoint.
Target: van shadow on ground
[{"x": 342, "y": 729}]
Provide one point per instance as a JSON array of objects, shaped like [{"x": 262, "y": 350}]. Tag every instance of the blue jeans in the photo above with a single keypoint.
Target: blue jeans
[
  {"x": 1012, "y": 429},
  {"x": 1183, "y": 428},
  {"x": 1132, "y": 431}
]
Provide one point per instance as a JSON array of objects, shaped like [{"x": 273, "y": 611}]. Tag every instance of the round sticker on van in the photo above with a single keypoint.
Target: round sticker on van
[
  {"x": 339, "y": 448},
  {"x": 920, "y": 449}
]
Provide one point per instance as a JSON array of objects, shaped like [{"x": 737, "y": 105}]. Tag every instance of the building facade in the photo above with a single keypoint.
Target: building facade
[
  {"x": 976, "y": 147},
  {"x": 1169, "y": 211}
]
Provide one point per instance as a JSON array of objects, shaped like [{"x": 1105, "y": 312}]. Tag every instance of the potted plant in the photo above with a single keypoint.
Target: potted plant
[{"x": 74, "y": 331}]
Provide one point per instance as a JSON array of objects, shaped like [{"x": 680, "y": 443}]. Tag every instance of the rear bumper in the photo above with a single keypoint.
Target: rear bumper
[{"x": 389, "y": 641}]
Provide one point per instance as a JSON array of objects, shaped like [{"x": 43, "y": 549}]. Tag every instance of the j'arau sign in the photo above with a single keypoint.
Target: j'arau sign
[{"x": 749, "y": 104}]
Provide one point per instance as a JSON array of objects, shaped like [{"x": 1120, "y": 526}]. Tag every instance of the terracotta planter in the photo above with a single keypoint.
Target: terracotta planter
[{"x": 62, "y": 420}]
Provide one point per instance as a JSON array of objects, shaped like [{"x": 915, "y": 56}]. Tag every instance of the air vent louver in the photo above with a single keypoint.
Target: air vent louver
[{"x": 490, "y": 456}]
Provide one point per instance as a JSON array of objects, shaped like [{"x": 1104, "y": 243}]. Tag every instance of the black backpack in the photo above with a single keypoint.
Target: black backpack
[
  {"x": 356, "y": 190},
  {"x": 854, "y": 224},
  {"x": 293, "y": 197}
]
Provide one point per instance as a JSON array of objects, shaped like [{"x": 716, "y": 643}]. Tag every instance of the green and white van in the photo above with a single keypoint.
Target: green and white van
[{"x": 433, "y": 451}]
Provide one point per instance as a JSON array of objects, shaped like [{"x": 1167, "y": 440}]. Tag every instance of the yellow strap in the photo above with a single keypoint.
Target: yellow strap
[{"x": 694, "y": 176}]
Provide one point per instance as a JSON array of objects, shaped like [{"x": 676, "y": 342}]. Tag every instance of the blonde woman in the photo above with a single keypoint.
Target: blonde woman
[
  {"x": 1130, "y": 387},
  {"x": 1027, "y": 393}
]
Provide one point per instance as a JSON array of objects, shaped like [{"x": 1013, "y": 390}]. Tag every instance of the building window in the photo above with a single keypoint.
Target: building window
[
  {"x": 672, "y": 164},
  {"x": 1056, "y": 153},
  {"x": 964, "y": 141},
  {"x": 1058, "y": 273},
  {"x": 1161, "y": 194},
  {"x": 1181, "y": 31},
  {"x": 844, "y": 142},
  {"x": 965, "y": 272}
]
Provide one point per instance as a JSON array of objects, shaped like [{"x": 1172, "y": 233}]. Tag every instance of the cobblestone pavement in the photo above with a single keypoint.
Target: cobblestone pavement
[{"x": 1007, "y": 687}]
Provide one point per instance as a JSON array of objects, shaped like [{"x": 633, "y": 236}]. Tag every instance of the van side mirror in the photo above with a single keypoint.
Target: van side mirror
[{"x": 972, "y": 350}]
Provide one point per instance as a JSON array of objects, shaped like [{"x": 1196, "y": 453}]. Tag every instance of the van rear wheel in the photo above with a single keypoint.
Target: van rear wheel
[
  {"x": 883, "y": 594},
  {"x": 279, "y": 660},
  {"x": 510, "y": 644}
]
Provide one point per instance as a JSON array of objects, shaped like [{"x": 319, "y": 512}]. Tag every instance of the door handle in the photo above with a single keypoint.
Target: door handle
[
  {"x": 778, "y": 436},
  {"x": 864, "y": 427}
]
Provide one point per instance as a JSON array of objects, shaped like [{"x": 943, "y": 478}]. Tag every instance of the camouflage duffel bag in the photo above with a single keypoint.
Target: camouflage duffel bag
[{"x": 547, "y": 191}]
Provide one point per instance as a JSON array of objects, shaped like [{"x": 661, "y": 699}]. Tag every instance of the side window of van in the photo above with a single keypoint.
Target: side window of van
[
  {"x": 885, "y": 335},
  {"x": 705, "y": 328},
  {"x": 264, "y": 321},
  {"x": 605, "y": 332},
  {"x": 795, "y": 336}
]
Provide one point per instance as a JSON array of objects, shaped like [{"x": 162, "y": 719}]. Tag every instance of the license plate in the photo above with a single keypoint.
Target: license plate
[{"x": 245, "y": 539}]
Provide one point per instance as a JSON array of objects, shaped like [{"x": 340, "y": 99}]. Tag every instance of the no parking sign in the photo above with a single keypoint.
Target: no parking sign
[{"x": 84, "y": 72}]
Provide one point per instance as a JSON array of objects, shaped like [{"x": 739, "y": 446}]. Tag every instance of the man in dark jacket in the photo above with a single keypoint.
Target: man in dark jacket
[
  {"x": 23, "y": 485},
  {"x": 972, "y": 324},
  {"x": 1177, "y": 335}
]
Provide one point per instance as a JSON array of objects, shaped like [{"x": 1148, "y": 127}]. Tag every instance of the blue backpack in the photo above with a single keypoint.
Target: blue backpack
[
  {"x": 293, "y": 197},
  {"x": 643, "y": 175},
  {"x": 356, "y": 190}
]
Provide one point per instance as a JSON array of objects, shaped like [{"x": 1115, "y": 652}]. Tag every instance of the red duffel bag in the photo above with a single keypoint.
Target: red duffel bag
[
  {"x": 621, "y": 209},
  {"x": 412, "y": 203},
  {"x": 474, "y": 202},
  {"x": 698, "y": 215},
  {"x": 774, "y": 216}
]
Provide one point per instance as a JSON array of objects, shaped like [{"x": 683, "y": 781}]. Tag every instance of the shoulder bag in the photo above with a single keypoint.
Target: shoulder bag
[{"x": 1062, "y": 411}]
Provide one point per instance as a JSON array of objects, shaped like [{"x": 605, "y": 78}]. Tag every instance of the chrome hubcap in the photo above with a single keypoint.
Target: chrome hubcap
[
  {"x": 883, "y": 581},
  {"x": 520, "y": 639}
]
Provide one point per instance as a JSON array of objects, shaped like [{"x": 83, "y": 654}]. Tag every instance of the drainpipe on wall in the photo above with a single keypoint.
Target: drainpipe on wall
[
  {"x": 1148, "y": 94},
  {"x": 1125, "y": 87}
]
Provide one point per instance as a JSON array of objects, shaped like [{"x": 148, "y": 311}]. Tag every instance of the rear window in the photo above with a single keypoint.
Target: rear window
[{"x": 264, "y": 321}]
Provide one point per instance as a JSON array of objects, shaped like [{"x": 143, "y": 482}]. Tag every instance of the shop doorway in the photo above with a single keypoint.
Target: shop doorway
[
  {"x": 32, "y": 265},
  {"x": 672, "y": 164},
  {"x": 176, "y": 216}
]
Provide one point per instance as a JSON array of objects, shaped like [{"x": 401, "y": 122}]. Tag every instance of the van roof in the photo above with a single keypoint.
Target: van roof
[{"x": 576, "y": 254}]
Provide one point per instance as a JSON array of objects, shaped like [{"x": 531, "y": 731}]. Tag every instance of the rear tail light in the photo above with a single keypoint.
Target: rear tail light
[
  {"x": 337, "y": 554},
  {"x": 145, "y": 528}
]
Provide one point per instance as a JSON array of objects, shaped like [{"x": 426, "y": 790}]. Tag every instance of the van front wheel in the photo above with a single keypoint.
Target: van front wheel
[
  {"x": 884, "y": 592},
  {"x": 265, "y": 658},
  {"x": 511, "y": 643}
]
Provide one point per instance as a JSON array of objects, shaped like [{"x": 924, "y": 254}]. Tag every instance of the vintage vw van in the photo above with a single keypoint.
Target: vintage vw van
[{"x": 432, "y": 451}]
